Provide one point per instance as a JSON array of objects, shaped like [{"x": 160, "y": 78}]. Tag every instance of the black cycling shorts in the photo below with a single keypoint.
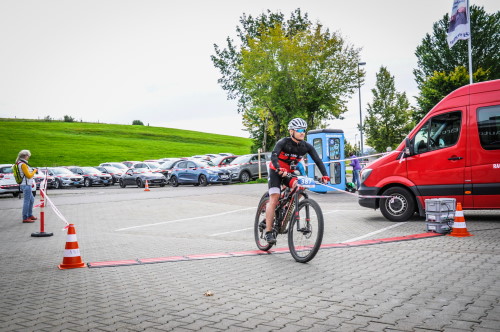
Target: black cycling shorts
[{"x": 276, "y": 180}]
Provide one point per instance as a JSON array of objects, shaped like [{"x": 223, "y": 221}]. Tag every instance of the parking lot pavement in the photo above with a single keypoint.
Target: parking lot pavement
[{"x": 436, "y": 284}]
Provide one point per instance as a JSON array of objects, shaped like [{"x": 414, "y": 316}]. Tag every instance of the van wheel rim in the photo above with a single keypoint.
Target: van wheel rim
[{"x": 398, "y": 206}]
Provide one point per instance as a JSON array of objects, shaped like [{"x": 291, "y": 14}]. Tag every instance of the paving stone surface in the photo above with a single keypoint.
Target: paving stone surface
[{"x": 436, "y": 284}]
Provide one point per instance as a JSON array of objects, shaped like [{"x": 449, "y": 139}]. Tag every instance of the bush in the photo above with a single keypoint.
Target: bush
[
  {"x": 68, "y": 118},
  {"x": 137, "y": 122},
  {"x": 47, "y": 118}
]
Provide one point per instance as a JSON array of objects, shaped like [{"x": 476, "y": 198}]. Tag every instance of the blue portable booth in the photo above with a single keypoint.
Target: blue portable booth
[{"x": 329, "y": 144}]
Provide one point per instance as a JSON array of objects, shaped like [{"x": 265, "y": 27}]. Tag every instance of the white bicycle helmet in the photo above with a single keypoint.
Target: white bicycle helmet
[{"x": 297, "y": 123}]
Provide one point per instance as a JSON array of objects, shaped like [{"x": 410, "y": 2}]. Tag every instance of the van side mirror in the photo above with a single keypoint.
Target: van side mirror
[{"x": 408, "y": 147}]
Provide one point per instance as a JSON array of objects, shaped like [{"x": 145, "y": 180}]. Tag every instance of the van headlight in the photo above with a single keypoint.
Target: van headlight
[{"x": 365, "y": 174}]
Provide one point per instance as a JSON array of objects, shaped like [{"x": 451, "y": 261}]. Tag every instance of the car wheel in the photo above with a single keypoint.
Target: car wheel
[
  {"x": 174, "y": 182},
  {"x": 15, "y": 194},
  {"x": 162, "y": 184},
  {"x": 122, "y": 184},
  {"x": 140, "y": 184},
  {"x": 203, "y": 180},
  {"x": 57, "y": 184},
  {"x": 87, "y": 183},
  {"x": 400, "y": 208},
  {"x": 78, "y": 186},
  {"x": 245, "y": 176}
]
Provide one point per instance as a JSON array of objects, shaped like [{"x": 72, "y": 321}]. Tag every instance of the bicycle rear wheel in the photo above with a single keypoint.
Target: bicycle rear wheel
[
  {"x": 306, "y": 232},
  {"x": 260, "y": 225}
]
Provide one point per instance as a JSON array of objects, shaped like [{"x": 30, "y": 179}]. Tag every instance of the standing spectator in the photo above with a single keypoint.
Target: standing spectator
[
  {"x": 356, "y": 167},
  {"x": 27, "y": 173}
]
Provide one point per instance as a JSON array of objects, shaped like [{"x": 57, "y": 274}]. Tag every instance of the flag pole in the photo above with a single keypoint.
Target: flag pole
[{"x": 469, "y": 42}]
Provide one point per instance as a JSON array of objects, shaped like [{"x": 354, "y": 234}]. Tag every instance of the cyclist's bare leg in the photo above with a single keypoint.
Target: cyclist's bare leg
[{"x": 271, "y": 206}]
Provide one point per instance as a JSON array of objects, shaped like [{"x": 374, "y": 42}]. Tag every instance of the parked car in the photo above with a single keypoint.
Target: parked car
[
  {"x": 222, "y": 161},
  {"x": 121, "y": 166},
  {"x": 138, "y": 177},
  {"x": 166, "y": 168},
  {"x": 245, "y": 168},
  {"x": 40, "y": 175},
  {"x": 198, "y": 173},
  {"x": 115, "y": 173},
  {"x": 226, "y": 154},
  {"x": 63, "y": 177},
  {"x": 129, "y": 163},
  {"x": 92, "y": 176},
  {"x": 454, "y": 152},
  {"x": 8, "y": 184},
  {"x": 151, "y": 166}
]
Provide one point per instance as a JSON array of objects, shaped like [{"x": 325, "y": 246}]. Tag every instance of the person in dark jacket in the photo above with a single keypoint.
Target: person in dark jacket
[{"x": 285, "y": 157}]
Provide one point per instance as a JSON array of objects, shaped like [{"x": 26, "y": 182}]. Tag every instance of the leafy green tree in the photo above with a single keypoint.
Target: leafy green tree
[
  {"x": 68, "y": 118},
  {"x": 137, "y": 123},
  {"x": 440, "y": 84},
  {"x": 350, "y": 149},
  {"x": 389, "y": 115},
  {"x": 436, "y": 60},
  {"x": 286, "y": 69}
]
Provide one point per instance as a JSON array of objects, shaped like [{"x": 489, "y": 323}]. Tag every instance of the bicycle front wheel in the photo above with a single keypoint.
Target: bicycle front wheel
[
  {"x": 306, "y": 232},
  {"x": 260, "y": 225}
]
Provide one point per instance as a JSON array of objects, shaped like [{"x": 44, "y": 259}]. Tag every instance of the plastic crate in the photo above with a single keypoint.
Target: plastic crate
[{"x": 440, "y": 205}]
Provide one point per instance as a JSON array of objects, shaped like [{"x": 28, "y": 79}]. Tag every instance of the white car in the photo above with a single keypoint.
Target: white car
[{"x": 8, "y": 184}]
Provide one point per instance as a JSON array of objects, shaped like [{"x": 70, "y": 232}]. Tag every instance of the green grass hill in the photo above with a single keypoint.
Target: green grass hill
[{"x": 58, "y": 143}]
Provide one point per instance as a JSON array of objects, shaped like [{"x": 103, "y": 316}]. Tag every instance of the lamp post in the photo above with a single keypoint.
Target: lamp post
[
  {"x": 356, "y": 143},
  {"x": 360, "y": 113}
]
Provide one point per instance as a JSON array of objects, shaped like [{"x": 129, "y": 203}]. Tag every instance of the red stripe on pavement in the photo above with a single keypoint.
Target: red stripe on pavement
[{"x": 259, "y": 252}]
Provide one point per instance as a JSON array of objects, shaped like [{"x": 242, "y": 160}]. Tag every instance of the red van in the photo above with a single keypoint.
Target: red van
[{"x": 453, "y": 152}]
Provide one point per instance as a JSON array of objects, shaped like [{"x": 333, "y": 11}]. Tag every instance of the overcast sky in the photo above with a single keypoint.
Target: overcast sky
[{"x": 116, "y": 61}]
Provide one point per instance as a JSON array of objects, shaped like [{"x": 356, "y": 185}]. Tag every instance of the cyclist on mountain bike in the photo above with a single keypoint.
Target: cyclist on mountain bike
[{"x": 287, "y": 153}]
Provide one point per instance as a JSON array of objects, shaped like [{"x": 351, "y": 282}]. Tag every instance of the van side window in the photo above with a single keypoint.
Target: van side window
[
  {"x": 488, "y": 126},
  {"x": 439, "y": 132}
]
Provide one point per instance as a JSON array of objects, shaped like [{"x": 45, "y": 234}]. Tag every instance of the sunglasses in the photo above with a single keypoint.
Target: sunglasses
[{"x": 300, "y": 130}]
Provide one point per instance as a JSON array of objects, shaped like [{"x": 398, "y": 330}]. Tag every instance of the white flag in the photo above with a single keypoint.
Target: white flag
[{"x": 459, "y": 25}]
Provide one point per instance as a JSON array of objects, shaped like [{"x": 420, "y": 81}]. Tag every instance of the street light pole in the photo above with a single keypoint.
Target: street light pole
[
  {"x": 356, "y": 143},
  {"x": 360, "y": 112}
]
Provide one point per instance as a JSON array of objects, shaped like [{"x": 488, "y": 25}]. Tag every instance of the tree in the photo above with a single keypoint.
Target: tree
[
  {"x": 138, "y": 123},
  {"x": 68, "y": 118},
  {"x": 434, "y": 56},
  {"x": 389, "y": 116},
  {"x": 286, "y": 69},
  {"x": 439, "y": 85}
]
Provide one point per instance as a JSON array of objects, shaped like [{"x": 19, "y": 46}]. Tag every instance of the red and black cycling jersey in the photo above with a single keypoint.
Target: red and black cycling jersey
[{"x": 287, "y": 152}]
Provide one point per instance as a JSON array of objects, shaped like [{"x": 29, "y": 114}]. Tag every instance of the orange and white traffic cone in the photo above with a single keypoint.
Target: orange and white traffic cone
[
  {"x": 459, "y": 227},
  {"x": 146, "y": 187},
  {"x": 72, "y": 259}
]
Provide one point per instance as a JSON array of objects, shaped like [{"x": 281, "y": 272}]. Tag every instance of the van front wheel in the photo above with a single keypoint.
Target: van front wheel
[{"x": 399, "y": 208}]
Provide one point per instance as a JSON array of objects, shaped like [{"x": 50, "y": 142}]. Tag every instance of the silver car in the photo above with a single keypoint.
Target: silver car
[
  {"x": 246, "y": 167},
  {"x": 63, "y": 177}
]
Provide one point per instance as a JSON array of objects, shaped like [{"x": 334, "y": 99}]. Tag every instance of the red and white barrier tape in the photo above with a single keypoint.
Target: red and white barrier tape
[
  {"x": 363, "y": 196},
  {"x": 43, "y": 188}
]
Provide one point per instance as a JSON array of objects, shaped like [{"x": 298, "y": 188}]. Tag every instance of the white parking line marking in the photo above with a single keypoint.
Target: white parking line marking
[
  {"x": 185, "y": 219},
  {"x": 376, "y": 232},
  {"x": 246, "y": 229},
  {"x": 238, "y": 230}
]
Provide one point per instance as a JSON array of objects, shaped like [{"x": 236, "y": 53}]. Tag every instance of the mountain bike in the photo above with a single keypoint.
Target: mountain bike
[{"x": 296, "y": 215}]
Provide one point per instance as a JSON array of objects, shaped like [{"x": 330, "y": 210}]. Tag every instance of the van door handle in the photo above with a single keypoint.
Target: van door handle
[{"x": 455, "y": 158}]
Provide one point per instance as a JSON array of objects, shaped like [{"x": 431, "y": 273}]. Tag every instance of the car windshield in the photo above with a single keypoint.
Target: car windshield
[
  {"x": 7, "y": 169},
  {"x": 153, "y": 165},
  {"x": 240, "y": 160},
  {"x": 204, "y": 163},
  {"x": 168, "y": 164},
  {"x": 61, "y": 171},
  {"x": 112, "y": 169},
  {"x": 217, "y": 160},
  {"x": 119, "y": 165},
  {"x": 88, "y": 170}
]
